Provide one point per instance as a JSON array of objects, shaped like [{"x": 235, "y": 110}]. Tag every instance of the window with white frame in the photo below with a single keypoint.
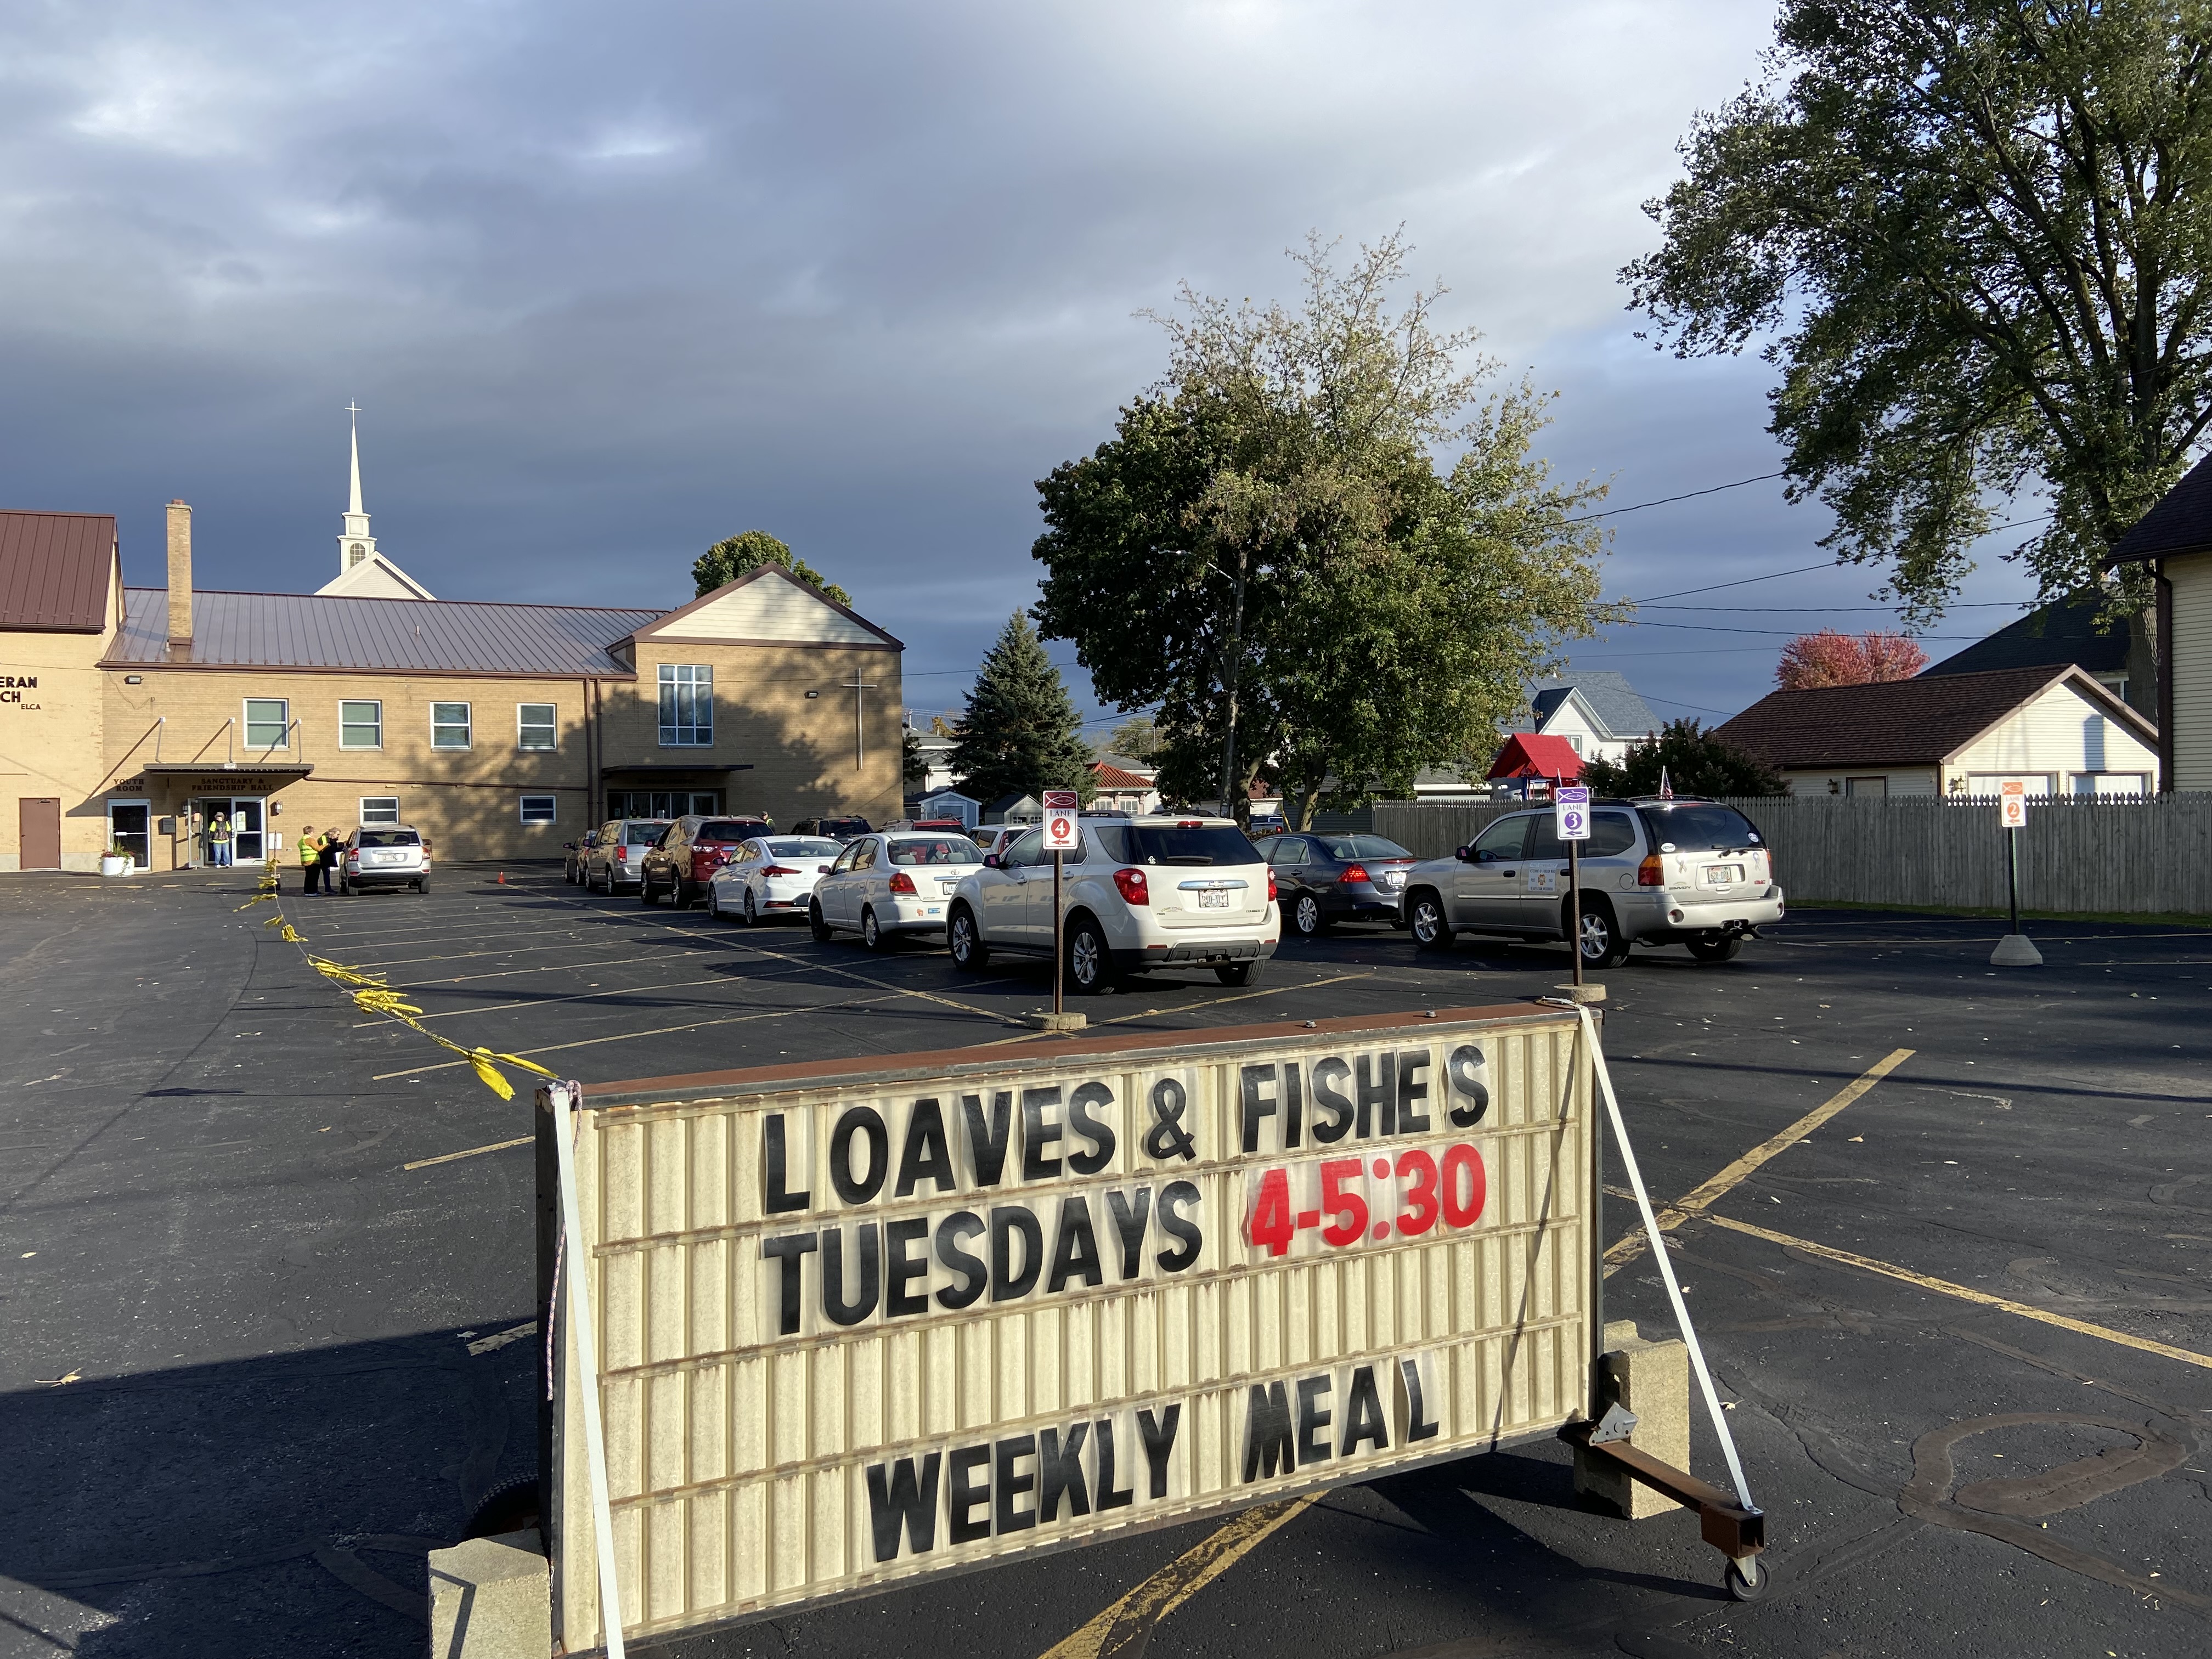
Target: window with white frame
[
  {"x": 536, "y": 725},
  {"x": 538, "y": 809},
  {"x": 449, "y": 725},
  {"x": 687, "y": 705},
  {"x": 268, "y": 723},
  {"x": 361, "y": 725},
  {"x": 380, "y": 809}
]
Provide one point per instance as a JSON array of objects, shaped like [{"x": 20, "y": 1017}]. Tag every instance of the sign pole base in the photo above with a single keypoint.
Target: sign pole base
[{"x": 2014, "y": 950}]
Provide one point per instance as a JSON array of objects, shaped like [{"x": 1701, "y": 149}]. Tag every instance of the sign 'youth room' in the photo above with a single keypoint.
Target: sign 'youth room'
[{"x": 862, "y": 1321}]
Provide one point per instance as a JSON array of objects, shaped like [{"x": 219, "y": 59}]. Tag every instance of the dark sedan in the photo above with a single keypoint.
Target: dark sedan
[{"x": 1322, "y": 879}]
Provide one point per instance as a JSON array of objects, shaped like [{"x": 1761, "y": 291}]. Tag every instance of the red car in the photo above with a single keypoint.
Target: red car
[{"x": 686, "y": 858}]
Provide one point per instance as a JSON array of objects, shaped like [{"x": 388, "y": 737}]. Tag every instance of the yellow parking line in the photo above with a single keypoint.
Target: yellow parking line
[
  {"x": 496, "y": 1146},
  {"x": 1944, "y": 1287},
  {"x": 1703, "y": 1198},
  {"x": 1183, "y": 1577},
  {"x": 604, "y": 995}
]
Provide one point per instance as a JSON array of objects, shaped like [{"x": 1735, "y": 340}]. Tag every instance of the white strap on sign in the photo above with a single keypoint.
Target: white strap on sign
[
  {"x": 564, "y": 1096},
  {"x": 1666, "y": 1266}
]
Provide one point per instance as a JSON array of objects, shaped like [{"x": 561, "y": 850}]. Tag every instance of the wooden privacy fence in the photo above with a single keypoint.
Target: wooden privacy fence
[{"x": 2152, "y": 856}]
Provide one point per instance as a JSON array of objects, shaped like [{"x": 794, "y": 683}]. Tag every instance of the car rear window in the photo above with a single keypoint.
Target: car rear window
[
  {"x": 389, "y": 838},
  {"x": 1361, "y": 846},
  {"x": 1699, "y": 827},
  {"x": 645, "y": 835},
  {"x": 729, "y": 830},
  {"x": 805, "y": 847},
  {"x": 936, "y": 849},
  {"x": 1174, "y": 843}
]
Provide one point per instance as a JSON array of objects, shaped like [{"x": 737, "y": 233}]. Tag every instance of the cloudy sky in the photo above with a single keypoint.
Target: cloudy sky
[{"x": 611, "y": 282}]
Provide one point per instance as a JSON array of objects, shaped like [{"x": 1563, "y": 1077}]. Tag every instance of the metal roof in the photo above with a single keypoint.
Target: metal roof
[
  {"x": 315, "y": 630},
  {"x": 54, "y": 569}
]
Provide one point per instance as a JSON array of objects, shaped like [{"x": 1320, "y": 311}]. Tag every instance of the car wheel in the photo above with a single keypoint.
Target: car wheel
[
  {"x": 680, "y": 893},
  {"x": 815, "y": 924},
  {"x": 872, "y": 933},
  {"x": 424, "y": 885},
  {"x": 970, "y": 954},
  {"x": 645, "y": 893},
  {"x": 1424, "y": 919},
  {"x": 1723, "y": 949},
  {"x": 714, "y": 903},
  {"x": 1306, "y": 917},
  {"x": 752, "y": 915},
  {"x": 1602, "y": 946},
  {"x": 1235, "y": 973},
  {"x": 1090, "y": 959}
]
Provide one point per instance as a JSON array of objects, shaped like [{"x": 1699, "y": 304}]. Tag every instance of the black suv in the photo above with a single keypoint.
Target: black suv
[{"x": 836, "y": 828}]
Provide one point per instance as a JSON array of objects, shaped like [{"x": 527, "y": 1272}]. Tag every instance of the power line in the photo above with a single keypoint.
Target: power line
[{"x": 1666, "y": 500}]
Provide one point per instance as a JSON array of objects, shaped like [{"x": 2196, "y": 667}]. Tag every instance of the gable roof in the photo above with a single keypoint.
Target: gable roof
[
  {"x": 2181, "y": 522},
  {"x": 316, "y": 630},
  {"x": 1612, "y": 703},
  {"x": 1532, "y": 755},
  {"x": 769, "y": 605},
  {"x": 1110, "y": 776},
  {"x": 1916, "y": 722},
  {"x": 375, "y": 578},
  {"x": 54, "y": 571},
  {"x": 2066, "y": 630}
]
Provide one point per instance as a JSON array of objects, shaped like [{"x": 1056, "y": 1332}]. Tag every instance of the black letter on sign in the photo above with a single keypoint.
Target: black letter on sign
[
  {"x": 1098, "y": 1132},
  {"x": 867, "y": 1120},
  {"x": 1268, "y": 1433},
  {"x": 1108, "y": 1498},
  {"x": 987, "y": 1140},
  {"x": 1419, "y": 1426},
  {"x": 961, "y": 1224},
  {"x": 964, "y": 1496},
  {"x": 1313, "y": 1422},
  {"x": 1007, "y": 1220},
  {"x": 1376, "y": 1079},
  {"x": 841, "y": 1311},
  {"x": 1159, "y": 1443},
  {"x": 788, "y": 1249},
  {"x": 1038, "y": 1134},
  {"x": 902, "y": 1501},
  {"x": 1363, "y": 1417},
  {"x": 1011, "y": 1486},
  {"x": 1293, "y": 1103},
  {"x": 1059, "y": 1469},
  {"x": 1255, "y": 1100},
  {"x": 1465, "y": 1068},
  {"x": 1075, "y": 1251},
  {"x": 1329, "y": 1075},
  {"x": 928, "y": 1151},
  {"x": 773, "y": 1163},
  {"x": 902, "y": 1269},
  {"x": 1129, "y": 1226},
  {"x": 1177, "y": 1225},
  {"x": 1412, "y": 1092}
]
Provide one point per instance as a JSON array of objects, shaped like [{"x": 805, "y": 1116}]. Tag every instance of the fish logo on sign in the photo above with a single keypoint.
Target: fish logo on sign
[{"x": 2012, "y": 804}]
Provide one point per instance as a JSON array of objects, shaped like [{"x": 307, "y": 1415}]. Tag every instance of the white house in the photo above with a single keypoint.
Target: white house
[{"x": 2174, "y": 539}]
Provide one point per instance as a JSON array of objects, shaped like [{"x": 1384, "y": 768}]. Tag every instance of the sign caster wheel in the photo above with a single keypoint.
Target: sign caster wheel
[{"x": 1747, "y": 1580}]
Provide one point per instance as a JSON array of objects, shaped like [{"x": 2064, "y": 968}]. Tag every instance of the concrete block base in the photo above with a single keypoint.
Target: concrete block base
[
  {"x": 1573, "y": 993},
  {"x": 1051, "y": 1021},
  {"x": 492, "y": 1598},
  {"x": 1652, "y": 1379},
  {"x": 2014, "y": 950}
]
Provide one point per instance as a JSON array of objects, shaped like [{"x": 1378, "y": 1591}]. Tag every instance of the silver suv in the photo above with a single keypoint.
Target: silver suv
[
  {"x": 1139, "y": 894},
  {"x": 1680, "y": 872},
  {"x": 617, "y": 858}
]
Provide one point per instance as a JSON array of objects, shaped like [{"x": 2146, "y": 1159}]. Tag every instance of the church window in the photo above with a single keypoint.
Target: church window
[
  {"x": 355, "y": 554},
  {"x": 687, "y": 705}
]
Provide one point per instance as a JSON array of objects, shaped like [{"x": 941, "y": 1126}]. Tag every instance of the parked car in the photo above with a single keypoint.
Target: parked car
[
  {"x": 576, "y": 858},
  {"x": 1681, "y": 871},
  {"x": 1268, "y": 823},
  {"x": 1322, "y": 880},
  {"x": 996, "y": 837},
  {"x": 892, "y": 883},
  {"x": 953, "y": 824},
  {"x": 389, "y": 855},
  {"x": 770, "y": 875},
  {"x": 840, "y": 829},
  {"x": 619, "y": 853},
  {"x": 1137, "y": 894},
  {"x": 681, "y": 862}
]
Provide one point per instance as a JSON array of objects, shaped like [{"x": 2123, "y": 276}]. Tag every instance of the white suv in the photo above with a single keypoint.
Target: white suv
[{"x": 1139, "y": 894}]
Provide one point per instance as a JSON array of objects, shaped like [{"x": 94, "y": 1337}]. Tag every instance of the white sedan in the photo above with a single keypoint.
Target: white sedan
[
  {"x": 899, "y": 882},
  {"x": 772, "y": 875}
]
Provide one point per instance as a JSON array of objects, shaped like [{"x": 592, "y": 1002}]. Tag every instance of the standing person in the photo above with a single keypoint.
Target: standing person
[
  {"x": 310, "y": 859},
  {"x": 333, "y": 857},
  {"x": 218, "y": 837}
]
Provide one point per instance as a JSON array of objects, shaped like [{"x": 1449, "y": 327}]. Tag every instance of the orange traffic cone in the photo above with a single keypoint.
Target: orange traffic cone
[{"x": 502, "y": 877}]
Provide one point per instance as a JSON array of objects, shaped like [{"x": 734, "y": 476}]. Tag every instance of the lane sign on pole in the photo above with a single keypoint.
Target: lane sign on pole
[
  {"x": 1571, "y": 812},
  {"x": 2012, "y": 804},
  {"x": 1060, "y": 810}
]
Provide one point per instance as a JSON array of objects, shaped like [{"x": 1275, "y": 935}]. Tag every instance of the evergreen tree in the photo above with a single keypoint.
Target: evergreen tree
[
  {"x": 731, "y": 557},
  {"x": 1020, "y": 733}
]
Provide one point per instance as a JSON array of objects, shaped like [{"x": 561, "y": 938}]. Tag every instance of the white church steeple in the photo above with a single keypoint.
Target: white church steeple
[{"x": 364, "y": 572}]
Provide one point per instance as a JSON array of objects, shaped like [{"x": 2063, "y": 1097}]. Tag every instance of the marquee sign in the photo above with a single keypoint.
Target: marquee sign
[{"x": 856, "y": 1327}]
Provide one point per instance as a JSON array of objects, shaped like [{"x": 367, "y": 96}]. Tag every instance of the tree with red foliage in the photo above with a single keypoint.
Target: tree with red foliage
[{"x": 1828, "y": 658}]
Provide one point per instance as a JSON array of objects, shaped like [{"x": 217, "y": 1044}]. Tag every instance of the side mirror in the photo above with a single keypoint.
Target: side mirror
[
  {"x": 990, "y": 861},
  {"x": 567, "y": 846},
  {"x": 1464, "y": 854}
]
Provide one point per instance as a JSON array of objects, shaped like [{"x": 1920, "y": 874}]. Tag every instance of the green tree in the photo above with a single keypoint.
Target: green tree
[
  {"x": 916, "y": 766},
  {"x": 729, "y": 559},
  {"x": 1138, "y": 739},
  {"x": 1019, "y": 731},
  {"x": 1696, "y": 763},
  {"x": 1266, "y": 550},
  {"x": 1977, "y": 235}
]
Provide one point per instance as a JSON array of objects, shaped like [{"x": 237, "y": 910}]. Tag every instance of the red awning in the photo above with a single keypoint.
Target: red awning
[{"x": 1530, "y": 755}]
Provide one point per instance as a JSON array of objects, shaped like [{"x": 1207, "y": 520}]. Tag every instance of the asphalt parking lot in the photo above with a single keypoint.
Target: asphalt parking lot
[{"x": 268, "y": 1281}]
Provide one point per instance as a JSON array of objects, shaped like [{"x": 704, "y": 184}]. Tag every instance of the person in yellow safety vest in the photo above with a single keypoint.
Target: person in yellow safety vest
[{"x": 310, "y": 859}]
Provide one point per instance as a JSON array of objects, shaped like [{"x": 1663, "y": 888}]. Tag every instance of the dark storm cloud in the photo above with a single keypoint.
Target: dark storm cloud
[{"x": 613, "y": 282}]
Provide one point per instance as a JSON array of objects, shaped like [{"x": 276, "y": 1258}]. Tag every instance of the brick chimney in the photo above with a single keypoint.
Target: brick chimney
[{"x": 181, "y": 581}]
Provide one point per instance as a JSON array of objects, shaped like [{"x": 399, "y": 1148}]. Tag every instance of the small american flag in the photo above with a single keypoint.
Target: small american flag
[{"x": 1666, "y": 789}]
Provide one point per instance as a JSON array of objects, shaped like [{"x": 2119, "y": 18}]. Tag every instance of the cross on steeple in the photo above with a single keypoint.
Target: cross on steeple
[{"x": 355, "y": 544}]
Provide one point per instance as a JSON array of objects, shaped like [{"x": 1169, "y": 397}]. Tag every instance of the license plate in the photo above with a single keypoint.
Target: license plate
[
  {"x": 947, "y": 886},
  {"x": 1213, "y": 898},
  {"x": 1723, "y": 875},
  {"x": 1394, "y": 878}
]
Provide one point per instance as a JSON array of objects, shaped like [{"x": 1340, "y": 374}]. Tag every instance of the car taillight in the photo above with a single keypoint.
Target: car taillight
[
  {"x": 1652, "y": 873},
  {"x": 902, "y": 882},
  {"x": 1353, "y": 873},
  {"x": 782, "y": 870},
  {"x": 1271, "y": 886},
  {"x": 1133, "y": 887},
  {"x": 1190, "y": 823},
  {"x": 623, "y": 854}
]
